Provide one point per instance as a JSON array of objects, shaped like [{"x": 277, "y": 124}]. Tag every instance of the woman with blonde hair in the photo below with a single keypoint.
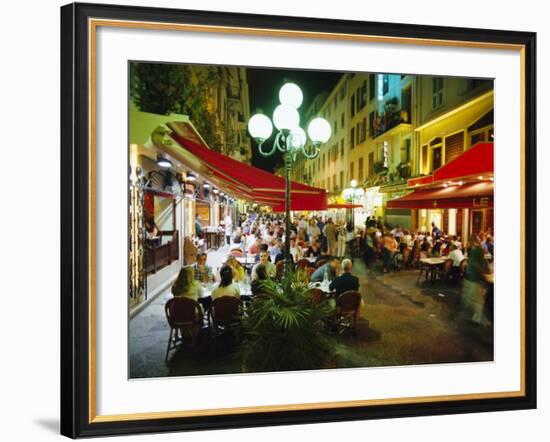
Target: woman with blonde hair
[
  {"x": 185, "y": 284},
  {"x": 238, "y": 270}
]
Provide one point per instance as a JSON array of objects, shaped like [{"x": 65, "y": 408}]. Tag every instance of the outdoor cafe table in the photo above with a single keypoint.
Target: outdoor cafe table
[
  {"x": 429, "y": 266},
  {"x": 247, "y": 261}
]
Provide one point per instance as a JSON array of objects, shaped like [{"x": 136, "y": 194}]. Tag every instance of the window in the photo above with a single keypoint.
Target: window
[
  {"x": 334, "y": 185},
  {"x": 353, "y": 105},
  {"x": 437, "y": 92},
  {"x": 371, "y": 124},
  {"x": 342, "y": 93},
  {"x": 335, "y": 124},
  {"x": 351, "y": 171},
  {"x": 476, "y": 138},
  {"x": 363, "y": 136},
  {"x": 343, "y": 122},
  {"x": 342, "y": 147},
  {"x": 341, "y": 179},
  {"x": 358, "y": 99},
  {"x": 352, "y": 137},
  {"x": 361, "y": 169},
  {"x": 405, "y": 151},
  {"x": 371, "y": 164},
  {"x": 357, "y": 133},
  {"x": 371, "y": 87},
  {"x": 385, "y": 84},
  {"x": 363, "y": 95}
]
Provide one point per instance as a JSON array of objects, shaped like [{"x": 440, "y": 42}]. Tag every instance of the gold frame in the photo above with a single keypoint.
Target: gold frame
[{"x": 93, "y": 24}]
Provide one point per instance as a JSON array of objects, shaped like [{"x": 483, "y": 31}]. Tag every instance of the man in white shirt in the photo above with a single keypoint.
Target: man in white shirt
[{"x": 456, "y": 255}]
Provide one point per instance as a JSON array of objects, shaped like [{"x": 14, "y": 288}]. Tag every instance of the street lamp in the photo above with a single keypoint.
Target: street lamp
[{"x": 289, "y": 139}]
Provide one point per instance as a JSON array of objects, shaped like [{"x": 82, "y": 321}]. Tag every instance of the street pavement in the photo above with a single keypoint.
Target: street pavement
[{"x": 401, "y": 323}]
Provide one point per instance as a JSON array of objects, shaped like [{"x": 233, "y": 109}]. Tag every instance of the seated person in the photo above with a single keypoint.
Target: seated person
[
  {"x": 263, "y": 248},
  {"x": 346, "y": 281},
  {"x": 255, "y": 246},
  {"x": 275, "y": 248},
  {"x": 323, "y": 255},
  {"x": 203, "y": 272},
  {"x": 295, "y": 251},
  {"x": 270, "y": 268},
  {"x": 332, "y": 267},
  {"x": 226, "y": 287},
  {"x": 261, "y": 276},
  {"x": 457, "y": 257},
  {"x": 281, "y": 257},
  {"x": 185, "y": 284},
  {"x": 238, "y": 270},
  {"x": 314, "y": 250}
]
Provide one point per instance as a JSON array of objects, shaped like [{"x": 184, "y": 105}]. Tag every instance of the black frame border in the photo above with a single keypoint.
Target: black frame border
[{"x": 75, "y": 219}]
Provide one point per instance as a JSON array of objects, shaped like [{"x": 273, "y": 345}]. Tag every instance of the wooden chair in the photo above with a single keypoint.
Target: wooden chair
[
  {"x": 309, "y": 272},
  {"x": 302, "y": 264},
  {"x": 320, "y": 263},
  {"x": 317, "y": 295},
  {"x": 237, "y": 253},
  {"x": 347, "y": 310},
  {"x": 462, "y": 267},
  {"x": 444, "y": 273},
  {"x": 407, "y": 255},
  {"x": 224, "y": 314},
  {"x": 280, "y": 265},
  {"x": 182, "y": 314}
]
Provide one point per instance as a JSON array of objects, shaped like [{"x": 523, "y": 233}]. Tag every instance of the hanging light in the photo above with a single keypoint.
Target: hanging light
[
  {"x": 165, "y": 163},
  {"x": 286, "y": 117},
  {"x": 216, "y": 191},
  {"x": 206, "y": 186},
  {"x": 190, "y": 177}
]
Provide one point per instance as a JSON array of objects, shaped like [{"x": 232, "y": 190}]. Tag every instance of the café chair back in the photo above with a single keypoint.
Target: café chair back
[
  {"x": 320, "y": 263},
  {"x": 302, "y": 264},
  {"x": 280, "y": 265},
  {"x": 224, "y": 314},
  {"x": 185, "y": 315},
  {"x": 347, "y": 310}
]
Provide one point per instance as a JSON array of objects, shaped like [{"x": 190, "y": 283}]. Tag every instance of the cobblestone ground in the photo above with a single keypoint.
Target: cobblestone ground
[{"x": 401, "y": 323}]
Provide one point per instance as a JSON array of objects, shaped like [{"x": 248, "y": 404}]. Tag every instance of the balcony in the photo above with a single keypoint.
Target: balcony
[{"x": 391, "y": 123}]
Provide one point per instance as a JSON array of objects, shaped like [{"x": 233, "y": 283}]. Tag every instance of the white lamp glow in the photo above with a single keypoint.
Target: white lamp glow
[
  {"x": 297, "y": 138},
  {"x": 319, "y": 130},
  {"x": 286, "y": 117},
  {"x": 291, "y": 95},
  {"x": 354, "y": 183},
  {"x": 260, "y": 127}
]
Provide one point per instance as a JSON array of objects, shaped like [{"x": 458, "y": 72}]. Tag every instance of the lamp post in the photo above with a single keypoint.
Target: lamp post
[
  {"x": 353, "y": 186},
  {"x": 290, "y": 139}
]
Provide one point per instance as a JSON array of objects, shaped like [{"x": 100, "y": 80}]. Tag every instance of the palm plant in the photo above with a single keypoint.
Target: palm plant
[{"x": 284, "y": 329}]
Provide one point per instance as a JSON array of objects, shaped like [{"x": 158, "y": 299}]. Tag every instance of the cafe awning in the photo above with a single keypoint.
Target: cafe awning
[
  {"x": 236, "y": 178},
  {"x": 468, "y": 196},
  {"x": 476, "y": 161}
]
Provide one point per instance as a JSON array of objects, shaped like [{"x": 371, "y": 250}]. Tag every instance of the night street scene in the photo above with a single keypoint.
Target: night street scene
[{"x": 284, "y": 220}]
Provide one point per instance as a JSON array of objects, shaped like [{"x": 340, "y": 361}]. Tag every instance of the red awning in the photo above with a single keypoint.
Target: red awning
[
  {"x": 468, "y": 196},
  {"x": 477, "y": 161},
  {"x": 343, "y": 206},
  {"x": 241, "y": 180}
]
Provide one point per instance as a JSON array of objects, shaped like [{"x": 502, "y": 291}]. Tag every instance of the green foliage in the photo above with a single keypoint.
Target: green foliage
[
  {"x": 379, "y": 168},
  {"x": 284, "y": 330},
  {"x": 172, "y": 88}
]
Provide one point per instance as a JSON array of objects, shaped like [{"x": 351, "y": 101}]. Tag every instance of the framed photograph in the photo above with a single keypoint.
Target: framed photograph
[{"x": 274, "y": 220}]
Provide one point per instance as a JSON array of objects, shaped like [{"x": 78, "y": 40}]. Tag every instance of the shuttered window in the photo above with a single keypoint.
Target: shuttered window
[
  {"x": 424, "y": 159},
  {"x": 454, "y": 146}
]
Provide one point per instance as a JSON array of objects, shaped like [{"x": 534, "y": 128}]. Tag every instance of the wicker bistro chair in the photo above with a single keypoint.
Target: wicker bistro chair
[
  {"x": 462, "y": 268},
  {"x": 224, "y": 314},
  {"x": 302, "y": 264},
  {"x": 316, "y": 295},
  {"x": 182, "y": 314},
  {"x": 347, "y": 310},
  {"x": 237, "y": 253},
  {"x": 320, "y": 263},
  {"x": 444, "y": 272}
]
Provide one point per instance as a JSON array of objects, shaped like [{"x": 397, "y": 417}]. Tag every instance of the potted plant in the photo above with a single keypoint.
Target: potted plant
[
  {"x": 284, "y": 328},
  {"x": 379, "y": 168}
]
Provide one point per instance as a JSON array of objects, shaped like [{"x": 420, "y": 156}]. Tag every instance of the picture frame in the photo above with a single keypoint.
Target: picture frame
[{"x": 79, "y": 178}]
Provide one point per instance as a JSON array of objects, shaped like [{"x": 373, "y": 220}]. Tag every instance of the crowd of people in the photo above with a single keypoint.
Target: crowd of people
[{"x": 335, "y": 245}]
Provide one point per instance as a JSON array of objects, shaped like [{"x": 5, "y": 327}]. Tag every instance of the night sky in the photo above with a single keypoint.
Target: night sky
[{"x": 264, "y": 85}]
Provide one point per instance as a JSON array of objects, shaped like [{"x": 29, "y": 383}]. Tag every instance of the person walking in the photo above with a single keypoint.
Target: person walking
[{"x": 330, "y": 233}]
